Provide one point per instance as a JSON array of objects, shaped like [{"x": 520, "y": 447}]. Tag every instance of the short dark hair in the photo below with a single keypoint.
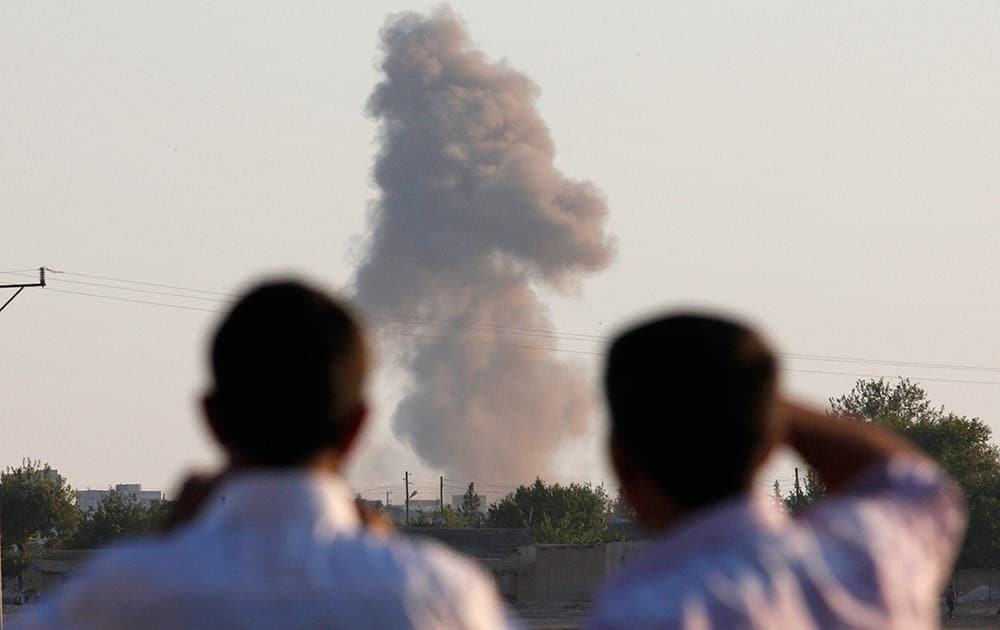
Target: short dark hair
[
  {"x": 691, "y": 400},
  {"x": 289, "y": 365}
]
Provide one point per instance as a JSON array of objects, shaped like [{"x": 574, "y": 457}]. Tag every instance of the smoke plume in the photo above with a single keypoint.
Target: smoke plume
[{"x": 472, "y": 216}]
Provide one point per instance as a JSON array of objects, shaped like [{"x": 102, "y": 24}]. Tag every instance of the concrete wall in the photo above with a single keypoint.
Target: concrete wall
[
  {"x": 532, "y": 574},
  {"x": 569, "y": 573},
  {"x": 478, "y": 542}
]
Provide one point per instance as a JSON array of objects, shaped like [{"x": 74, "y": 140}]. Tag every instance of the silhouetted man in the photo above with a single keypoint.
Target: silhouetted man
[
  {"x": 694, "y": 413},
  {"x": 278, "y": 542}
]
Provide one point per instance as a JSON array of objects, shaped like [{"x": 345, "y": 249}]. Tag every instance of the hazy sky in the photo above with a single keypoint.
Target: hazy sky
[{"x": 828, "y": 171}]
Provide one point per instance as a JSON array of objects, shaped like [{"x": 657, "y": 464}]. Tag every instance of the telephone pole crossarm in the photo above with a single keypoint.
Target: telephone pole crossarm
[{"x": 21, "y": 286}]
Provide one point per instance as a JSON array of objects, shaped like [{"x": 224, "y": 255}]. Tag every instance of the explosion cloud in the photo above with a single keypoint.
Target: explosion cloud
[{"x": 472, "y": 216}]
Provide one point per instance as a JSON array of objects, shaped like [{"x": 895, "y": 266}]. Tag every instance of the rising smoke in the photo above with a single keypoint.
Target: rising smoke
[{"x": 472, "y": 216}]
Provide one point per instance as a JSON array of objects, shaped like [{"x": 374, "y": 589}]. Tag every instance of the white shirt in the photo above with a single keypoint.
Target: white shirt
[
  {"x": 276, "y": 550},
  {"x": 872, "y": 556}
]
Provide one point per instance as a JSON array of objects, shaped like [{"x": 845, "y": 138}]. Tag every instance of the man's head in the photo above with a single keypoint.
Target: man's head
[
  {"x": 691, "y": 400},
  {"x": 289, "y": 364}
]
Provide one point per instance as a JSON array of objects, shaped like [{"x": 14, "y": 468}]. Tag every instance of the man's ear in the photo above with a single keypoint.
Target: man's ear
[
  {"x": 653, "y": 509},
  {"x": 765, "y": 453},
  {"x": 213, "y": 418},
  {"x": 623, "y": 466},
  {"x": 620, "y": 462},
  {"x": 351, "y": 428}
]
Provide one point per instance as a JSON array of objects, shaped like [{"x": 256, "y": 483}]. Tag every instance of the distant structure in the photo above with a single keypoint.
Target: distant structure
[
  {"x": 420, "y": 508},
  {"x": 89, "y": 499}
]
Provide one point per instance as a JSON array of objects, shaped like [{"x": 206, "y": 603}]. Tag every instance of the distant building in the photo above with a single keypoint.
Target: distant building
[
  {"x": 419, "y": 508},
  {"x": 89, "y": 499},
  {"x": 424, "y": 505}
]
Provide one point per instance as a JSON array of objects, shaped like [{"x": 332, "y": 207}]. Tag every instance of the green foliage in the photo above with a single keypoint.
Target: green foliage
[
  {"x": 38, "y": 511},
  {"x": 573, "y": 514},
  {"x": 898, "y": 406},
  {"x": 119, "y": 516},
  {"x": 804, "y": 492},
  {"x": 961, "y": 444},
  {"x": 776, "y": 499},
  {"x": 448, "y": 517},
  {"x": 471, "y": 508}
]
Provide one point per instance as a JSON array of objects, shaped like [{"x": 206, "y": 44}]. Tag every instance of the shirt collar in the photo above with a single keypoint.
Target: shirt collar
[
  {"x": 720, "y": 524},
  {"x": 277, "y": 498}
]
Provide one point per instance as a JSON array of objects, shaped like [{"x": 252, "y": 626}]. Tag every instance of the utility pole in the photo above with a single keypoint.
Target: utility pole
[
  {"x": 406, "y": 479},
  {"x": 441, "y": 500},
  {"x": 20, "y": 286},
  {"x": 387, "y": 493},
  {"x": 798, "y": 488},
  {"x": 1, "y": 580}
]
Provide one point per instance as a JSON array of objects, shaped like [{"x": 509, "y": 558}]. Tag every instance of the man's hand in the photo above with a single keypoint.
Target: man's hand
[
  {"x": 377, "y": 523},
  {"x": 194, "y": 492}
]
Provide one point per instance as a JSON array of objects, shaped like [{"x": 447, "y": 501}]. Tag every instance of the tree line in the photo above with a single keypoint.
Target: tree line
[
  {"x": 556, "y": 513},
  {"x": 39, "y": 511}
]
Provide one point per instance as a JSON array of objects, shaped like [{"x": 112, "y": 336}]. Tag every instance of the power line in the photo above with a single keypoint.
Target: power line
[
  {"x": 545, "y": 348},
  {"x": 148, "y": 291},
  {"x": 377, "y": 315},
  {"x": 548, "y": 333},
  {"x": 921, "y": 378},
  {"x": 121, "y": 299},
  {"x": 784, "y": 369},
  {"x": 917, "y": 364},
  {"x": 148, "y": 284}
]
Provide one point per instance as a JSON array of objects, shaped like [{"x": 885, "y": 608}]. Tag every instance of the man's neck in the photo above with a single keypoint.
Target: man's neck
[{"x": 326, "y": 462}]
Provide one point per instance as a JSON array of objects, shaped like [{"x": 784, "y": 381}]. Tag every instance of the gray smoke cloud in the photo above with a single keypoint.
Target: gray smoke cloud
[{"x": 472, "y": 216}]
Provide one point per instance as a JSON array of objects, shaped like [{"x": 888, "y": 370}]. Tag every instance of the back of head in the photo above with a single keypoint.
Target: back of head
[
  {"x": 691, "y": 402},
  {"x": 289, "y": 365}
]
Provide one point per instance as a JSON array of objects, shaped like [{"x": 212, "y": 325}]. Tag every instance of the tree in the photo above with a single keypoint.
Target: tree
[
  {"x": 803, "y": 494},
  {"x": 119, "y": 516},
  {"x": 38, "y": 511},
  {"x": 573, "y": 514},
  {"x": 777, "y": 500},
  {"x": 898, "y": 406},
  {"x": 472, "y": 507},
  {"x": 961, "y": 444}
]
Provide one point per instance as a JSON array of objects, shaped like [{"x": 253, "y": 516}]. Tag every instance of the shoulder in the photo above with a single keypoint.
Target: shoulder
[
  {"x": 905, "y": 501},
  {"x": 631, "y": 603},
  {"x": 438, "y": 583},
  {"x": 89, "y": 599},
  {"x": 436, "y": 563}
]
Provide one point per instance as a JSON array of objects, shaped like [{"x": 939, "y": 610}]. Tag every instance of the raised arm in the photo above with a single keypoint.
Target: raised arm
[{"x": 838, "y": 449}]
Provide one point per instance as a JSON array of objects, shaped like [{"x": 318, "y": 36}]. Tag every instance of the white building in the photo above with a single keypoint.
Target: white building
[{"x": 89, "y": 499}]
